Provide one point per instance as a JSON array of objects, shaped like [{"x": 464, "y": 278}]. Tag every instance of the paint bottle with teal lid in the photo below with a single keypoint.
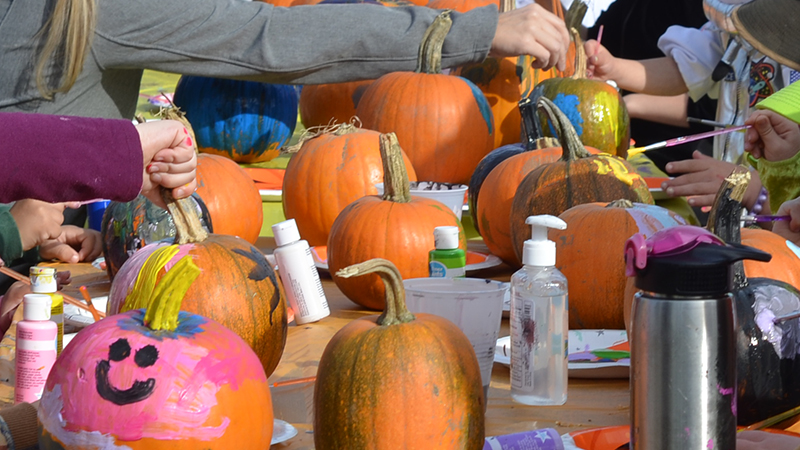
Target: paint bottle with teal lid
[{"x": 446, "y": 260}]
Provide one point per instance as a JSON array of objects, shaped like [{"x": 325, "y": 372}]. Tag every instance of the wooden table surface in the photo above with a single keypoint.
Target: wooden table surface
[{"x": 591, "y": 402}]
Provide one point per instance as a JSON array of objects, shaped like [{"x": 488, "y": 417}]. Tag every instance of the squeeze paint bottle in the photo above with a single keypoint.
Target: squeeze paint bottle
[
  {"x": 539, "y": 325},
  {"x": 43, "y": 281},
  {"x": 543, "y": 439},
  {"x": 299, "y": 274},
  {"x": 36, "y": 348},
  {"x": 446, "y": 260}
]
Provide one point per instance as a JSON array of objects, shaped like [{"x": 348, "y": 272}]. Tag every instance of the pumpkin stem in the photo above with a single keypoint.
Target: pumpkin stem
[
  {"x": 430, "y": 50},
  {"x": 396, "y": 311},
  {"x": 163, "y": 297},
  {"x": 507, "y": 5},
  {"x": 580, "y": 56},
  {"x": 187, "y": 224},
  {"x": 620, "y": 203},
  {"x": 572, "y": 147},
  {"x": 337, "y": 129},
  {"x": 395, "y": 177},
  {"x": 724, "y": 220},
  {"x": 532, "y": 134}
]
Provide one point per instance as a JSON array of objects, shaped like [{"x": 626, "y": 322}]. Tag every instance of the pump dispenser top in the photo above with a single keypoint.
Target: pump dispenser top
[{"x": 538, "y": 250}]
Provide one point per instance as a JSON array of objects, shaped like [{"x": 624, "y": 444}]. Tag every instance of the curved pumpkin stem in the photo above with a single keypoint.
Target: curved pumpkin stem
[
  {"x": 724, "y": 220},
  {"x": 580, "y": 56},
  {"x": 395, "y": 177},
  {"x": 336, "y": 129},
  {"x": 531, "y": 132},
  {"x": 188, "y": 228},
  {"x": 430, "y": 50},
  {"x": 396, "y": 311},
  {"x": 620, "y": 203},
  {"x": 571, "y": 144}
]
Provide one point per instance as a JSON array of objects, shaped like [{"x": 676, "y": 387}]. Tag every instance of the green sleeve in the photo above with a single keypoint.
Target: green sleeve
[
  {"x": 10, "y": 241},
  {"x": 781, "y": 178}
]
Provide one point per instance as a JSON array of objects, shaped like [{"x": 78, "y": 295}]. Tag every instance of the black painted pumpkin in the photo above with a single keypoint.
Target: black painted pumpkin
[{"x": 127, "y": 227}]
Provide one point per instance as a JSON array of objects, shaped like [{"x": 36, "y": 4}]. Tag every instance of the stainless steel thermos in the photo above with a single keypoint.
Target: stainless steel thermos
[{"x": 683, "y": 355}]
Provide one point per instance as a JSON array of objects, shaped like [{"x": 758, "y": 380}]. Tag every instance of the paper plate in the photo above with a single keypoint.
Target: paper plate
[
  {"x": 282, "y": 432},
  {"x": 612, "y": 438},
  {"x": 475, "y": 260},
  {"x": 592, "y": 353}
]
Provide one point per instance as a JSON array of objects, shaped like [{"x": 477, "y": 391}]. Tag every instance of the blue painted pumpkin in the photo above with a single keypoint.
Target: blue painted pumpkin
[{"x": 246, "y": 121}]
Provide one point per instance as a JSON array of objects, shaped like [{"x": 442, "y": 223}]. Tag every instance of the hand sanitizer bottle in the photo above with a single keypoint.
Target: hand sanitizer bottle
[{"x": 539, "y": 325}]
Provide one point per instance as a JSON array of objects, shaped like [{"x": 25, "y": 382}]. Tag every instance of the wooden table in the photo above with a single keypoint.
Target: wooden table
[{"x": 591, "y": 403}]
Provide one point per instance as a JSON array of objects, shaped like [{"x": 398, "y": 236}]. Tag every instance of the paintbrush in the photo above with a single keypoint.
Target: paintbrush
[
  {"x": 685, "y": 139},
  {"x": 764, "y": 218}
]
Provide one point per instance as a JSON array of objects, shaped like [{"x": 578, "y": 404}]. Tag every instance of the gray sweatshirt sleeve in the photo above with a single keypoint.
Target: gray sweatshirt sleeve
[{"x": 297, "y": 45}]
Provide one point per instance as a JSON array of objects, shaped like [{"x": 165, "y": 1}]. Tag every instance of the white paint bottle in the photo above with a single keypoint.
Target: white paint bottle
[{"x": 298, "y": 274}]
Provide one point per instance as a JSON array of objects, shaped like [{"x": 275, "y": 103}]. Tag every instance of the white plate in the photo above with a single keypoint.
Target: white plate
[
  {"x": 282, "y": 432},
  {"x": 583, "y": 362}
]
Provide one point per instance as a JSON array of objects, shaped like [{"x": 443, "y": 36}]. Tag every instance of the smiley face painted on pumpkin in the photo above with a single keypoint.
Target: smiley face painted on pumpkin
[{"x": 124, "y": 384}]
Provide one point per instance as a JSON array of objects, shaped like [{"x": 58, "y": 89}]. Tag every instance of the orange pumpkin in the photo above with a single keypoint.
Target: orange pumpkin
[
  {"x": 236, "y": 286},
  {"x": 578, "y": 177},
  {"x": 398, "y": 381},
  {"x": 330, "y": 171},
  {"x": 504, "y": 81},
  {"x": 444, "y": 123},
  {"x": 590, "y": 254},
  {"x": 231, "y": 196},
  {"x": 396, "y": 226},
  {"x": 322, "y": 104}
]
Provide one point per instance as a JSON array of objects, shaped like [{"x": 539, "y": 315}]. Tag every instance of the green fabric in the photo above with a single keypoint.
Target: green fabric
[
  {"x": 10, "y": 241},
  {"x": 779, "y": 177}
]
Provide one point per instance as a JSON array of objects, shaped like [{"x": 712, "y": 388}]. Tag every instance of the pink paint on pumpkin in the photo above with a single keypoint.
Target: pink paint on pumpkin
[{"x": 196, "y": 367}]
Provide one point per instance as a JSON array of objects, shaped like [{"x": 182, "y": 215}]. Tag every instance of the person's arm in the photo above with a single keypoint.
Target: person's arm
[
  {"x": 657, "y": 76},
  {"x": 19, "y": 422},
  {"x": 302, "y": 44},
  {"x": 10, "y": 241},
  {"x": 59, "y": 158},
  {"x": 670, "y": 110}
]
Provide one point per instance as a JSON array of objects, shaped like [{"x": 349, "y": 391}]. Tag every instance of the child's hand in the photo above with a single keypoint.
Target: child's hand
[
  {"x": 38, "y": 221},
  {"x": 532, "y": 30},
  {"x": 789, "y": 230},
  {"x": 600, "y": 63},
  {"x": 169, "y": 159},
  {"x": 762, "y": 440},
  {"x": 73, "y": 245},
  {"x": 701, "y": 179},
  {"x": 9, "y": 303},
  {"x": 772, "y": 136}
]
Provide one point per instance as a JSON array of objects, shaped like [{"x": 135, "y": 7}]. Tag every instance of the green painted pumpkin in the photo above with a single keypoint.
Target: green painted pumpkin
[{"x": 246, "y": 121}]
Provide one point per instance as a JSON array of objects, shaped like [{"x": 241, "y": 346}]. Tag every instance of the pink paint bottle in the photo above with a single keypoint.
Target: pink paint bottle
[{"x": 36, "y": 351}]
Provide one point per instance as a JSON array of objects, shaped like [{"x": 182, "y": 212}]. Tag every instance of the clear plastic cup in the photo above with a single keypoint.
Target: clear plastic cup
[
  {"x": 475, "y": 305},
  {"x": 452, "y": 195}
]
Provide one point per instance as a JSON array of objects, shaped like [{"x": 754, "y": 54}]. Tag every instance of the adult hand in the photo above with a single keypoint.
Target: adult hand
[
  {"x": 73, "y": 245},
  {"x": 771, "y": 136},
  {"x": 701, "y": 179},
  {"x": 789, "y": 230},
  {"x": 532, "y": 30},
  {"x": 762, "y": 440},
  {"x": 169, "y": 159},
  {"x": 38, "y": 221}
]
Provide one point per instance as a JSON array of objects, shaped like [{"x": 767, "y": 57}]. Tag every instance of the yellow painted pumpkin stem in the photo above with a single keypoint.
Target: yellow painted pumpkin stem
[
  {"x": 429, "y": 59},
  {"x": 572, "y": 147},
  {"x": 395, "y": 177},
  {"x": 396, "y": 311}
]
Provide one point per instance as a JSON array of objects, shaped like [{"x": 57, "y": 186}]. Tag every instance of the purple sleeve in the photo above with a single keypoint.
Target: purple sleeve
[{"x": 66, "y": 158}]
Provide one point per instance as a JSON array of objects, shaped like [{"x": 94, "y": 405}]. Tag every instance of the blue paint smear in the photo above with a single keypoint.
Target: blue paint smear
[
  {"x": 483, "y": 105},
  {"x": 188, "y": 325},
  {"x": 568, "y": 104}
]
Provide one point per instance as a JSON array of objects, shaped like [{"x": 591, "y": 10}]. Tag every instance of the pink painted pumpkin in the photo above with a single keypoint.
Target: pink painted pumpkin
[{"x": 157, "y": 379}]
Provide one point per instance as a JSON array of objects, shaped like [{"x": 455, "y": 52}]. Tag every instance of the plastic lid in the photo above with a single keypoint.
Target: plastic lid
[
  {"x": 538, "y": 250},
  {"x": 36, "y": 307},
  {"x": 285, "y": 232},
  {"x": 43, "y": 280},
  {"x": 445, "y": 238}
]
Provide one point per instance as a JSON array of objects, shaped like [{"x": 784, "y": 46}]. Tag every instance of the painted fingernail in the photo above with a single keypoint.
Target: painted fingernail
[
  {"x": 152, "y": 168},
  {"x": 185, "y": 131},
  {"x": 705, "y": 209},
  {"x": 189, "y": 141}
]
